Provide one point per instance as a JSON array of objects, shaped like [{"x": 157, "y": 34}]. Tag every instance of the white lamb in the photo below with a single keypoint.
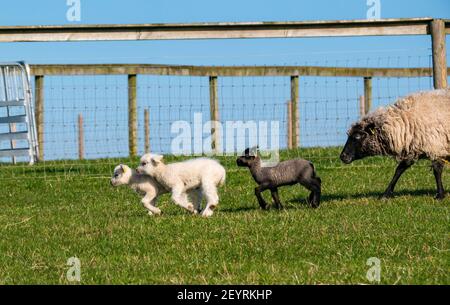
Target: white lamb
[
  {"x": 201, "y": 174},
  {"x": 142, "y": 184}
]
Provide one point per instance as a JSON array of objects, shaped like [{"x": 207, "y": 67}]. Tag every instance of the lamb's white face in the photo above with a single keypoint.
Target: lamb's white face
[
  {"x": 121, "y": 176},
  {"x": 149, "y": 164}
]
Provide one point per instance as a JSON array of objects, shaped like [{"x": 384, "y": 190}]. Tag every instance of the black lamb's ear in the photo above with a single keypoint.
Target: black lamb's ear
[{"x": 247, "y": 152}]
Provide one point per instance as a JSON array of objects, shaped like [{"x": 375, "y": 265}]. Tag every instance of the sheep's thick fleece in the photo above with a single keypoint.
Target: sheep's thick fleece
[
  {"x": 415, "y": 126},
  {"x": 192, "y": 172}
]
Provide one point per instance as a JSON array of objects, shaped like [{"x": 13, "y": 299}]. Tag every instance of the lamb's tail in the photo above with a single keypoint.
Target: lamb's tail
[
  {"x": 222, "y": 180},
  {"x": 315, "y": 173}
]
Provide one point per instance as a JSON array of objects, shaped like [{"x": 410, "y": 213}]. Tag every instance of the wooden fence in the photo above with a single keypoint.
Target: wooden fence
[
  {"x": 132, "y": 70},
  {"x": 436, "y": 28}
]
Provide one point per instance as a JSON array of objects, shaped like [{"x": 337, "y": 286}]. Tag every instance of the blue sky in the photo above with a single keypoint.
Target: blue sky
[
  {"x": 328, "y": 105},
  {"x": 259, "y": 51}
]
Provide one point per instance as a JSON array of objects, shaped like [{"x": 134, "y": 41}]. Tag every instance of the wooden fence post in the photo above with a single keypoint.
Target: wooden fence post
[
  {"x": 39, "y": 112},
  {"x": 367, "y": 94},
  {"x": 289, "y": 124},
  {"x": 80, "y": 137},
  {"x": 295, "y": 112},
  {"x": 362, "y": 104},
  {"x": 147, "y": 130},
  {"x": 132, "y": 115},
  {"x": 438, "y": 36},
  {"x": 214, "y": 110}
]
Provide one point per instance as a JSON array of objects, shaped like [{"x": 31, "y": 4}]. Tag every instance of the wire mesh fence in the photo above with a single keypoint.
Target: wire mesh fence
[{"x": 95, "y": 110}]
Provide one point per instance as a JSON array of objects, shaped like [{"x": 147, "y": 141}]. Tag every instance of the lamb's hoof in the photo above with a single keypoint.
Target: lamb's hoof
[
  {"x": 207, "y": 213},
  {"x": 156, "y": 213},
  {"x": 439, "y": 196},
  {"x": 190, "y": 208}
]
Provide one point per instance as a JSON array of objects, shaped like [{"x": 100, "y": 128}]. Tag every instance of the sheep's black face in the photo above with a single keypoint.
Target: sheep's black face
[
  {"x": 246, "y": 160},
  {"x": 353, "y": 149},
  {"x": 359, "y": 144}
]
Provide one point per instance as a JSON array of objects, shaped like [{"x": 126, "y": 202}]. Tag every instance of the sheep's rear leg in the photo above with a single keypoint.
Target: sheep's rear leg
[
  {"x": 314, "y": 186},
  {"x": 276, "y": 198},
  {"x": 149, "y": 202},
  {"x": 401, "y": 168},
  {"x": 196, "y": 196},
  {"x": 261, "y": 201},
  {"x": 212, "y": 199},
  {"x": 437, "y": 171},
  {"x": 180, "y": 198}
]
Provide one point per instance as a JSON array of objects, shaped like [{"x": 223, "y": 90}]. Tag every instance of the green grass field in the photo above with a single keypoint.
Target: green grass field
[{"x": 54, "y": 211}]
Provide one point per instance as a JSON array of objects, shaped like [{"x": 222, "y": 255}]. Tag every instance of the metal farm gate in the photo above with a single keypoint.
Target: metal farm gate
[{"x": 17, "y": 125}]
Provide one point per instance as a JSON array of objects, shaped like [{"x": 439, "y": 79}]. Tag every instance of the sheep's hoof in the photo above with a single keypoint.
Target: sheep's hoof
[
  {"x": 190, "y": 208},
  {"x": 439, "y": 196},
  {"x": 386, "y": 195},
  {"x": 207, "y": 213},
  {"x": 150, "y": 213}
]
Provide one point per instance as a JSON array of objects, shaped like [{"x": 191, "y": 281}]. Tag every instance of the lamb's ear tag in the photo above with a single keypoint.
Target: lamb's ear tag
[{"x": 372, "y": 131}]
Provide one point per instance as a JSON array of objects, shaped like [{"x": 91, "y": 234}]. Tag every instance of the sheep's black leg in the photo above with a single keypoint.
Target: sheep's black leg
[
  {"x": 401, "y": 168},
  {"x": 313, "y": 185},
  {"x": 276, "y": 198},
  {"x": 261, "y": 201},
  {"x": 437, "y": 171}
]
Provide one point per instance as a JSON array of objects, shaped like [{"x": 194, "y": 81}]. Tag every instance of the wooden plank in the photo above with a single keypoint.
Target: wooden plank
[
  {"x": 289, "y": 124},
  {"x": 80, "y": 137},
  {"x": 414, "y": 26},
  {"x": 295, "y": 112},
  {"x": 147, "y": 130},
  {"x": 362, "y": 106},
  {"x": 177, "y": 70},
  {"x": 214, "y": 113},
  {"x": 132, "y": 115},
  {"x": 39, "y": 112},
  {"x": 367, "y": 94},
  {"x": 439, "y": 54}
]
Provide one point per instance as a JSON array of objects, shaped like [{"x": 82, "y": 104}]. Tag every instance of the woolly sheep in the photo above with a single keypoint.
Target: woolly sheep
[
  {"x": 284, "y": 173},
  {"x": 142, "y": 184},
  {"x": 415, "y": 127},
  {"x": 202, "y": 174}
]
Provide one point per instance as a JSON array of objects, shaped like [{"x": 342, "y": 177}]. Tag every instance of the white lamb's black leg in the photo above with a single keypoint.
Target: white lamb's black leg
[
  {"x": 401, "y": 168},
  {"x": 437, "y": 171}
]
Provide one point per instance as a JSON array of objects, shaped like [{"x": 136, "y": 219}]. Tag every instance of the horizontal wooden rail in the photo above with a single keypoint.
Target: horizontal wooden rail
[
  {"x": 220, "y": 30},
  {"x": 177, "y": 70}
]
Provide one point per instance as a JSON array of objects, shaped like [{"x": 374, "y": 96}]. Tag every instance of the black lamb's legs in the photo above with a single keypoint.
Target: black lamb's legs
[
  {"x": 276, "y": 198},
  {"x": 401, "y": 168},
  {"x": 261, "y": 201},
  {"x": 437, "y": 171}
]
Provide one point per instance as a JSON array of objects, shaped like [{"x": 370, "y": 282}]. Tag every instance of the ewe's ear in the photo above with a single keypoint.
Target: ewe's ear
[{"x": 370, "y": 129}]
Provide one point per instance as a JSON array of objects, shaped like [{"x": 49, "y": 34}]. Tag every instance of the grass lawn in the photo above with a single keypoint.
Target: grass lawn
[{"x": 57, "y": 210}]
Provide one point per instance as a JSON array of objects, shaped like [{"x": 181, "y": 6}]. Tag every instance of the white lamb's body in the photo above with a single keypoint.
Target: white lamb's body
[
  {"x": 142, "y": 184},
  {"x": 181, "y": 178}
]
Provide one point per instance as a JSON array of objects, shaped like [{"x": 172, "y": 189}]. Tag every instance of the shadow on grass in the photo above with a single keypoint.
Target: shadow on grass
[{"x": 375, "y": 195}]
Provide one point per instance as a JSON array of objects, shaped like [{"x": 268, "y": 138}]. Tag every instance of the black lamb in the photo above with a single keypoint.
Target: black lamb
[{"x": 288, "y": 172}]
